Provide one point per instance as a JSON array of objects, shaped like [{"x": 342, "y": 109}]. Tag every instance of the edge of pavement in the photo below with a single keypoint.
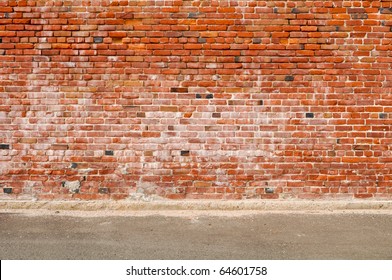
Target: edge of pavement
[{"x": 199, "y": 205}]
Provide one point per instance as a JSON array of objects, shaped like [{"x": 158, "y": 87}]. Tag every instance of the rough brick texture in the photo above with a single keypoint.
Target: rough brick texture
[{"x": 195, "y": 99}]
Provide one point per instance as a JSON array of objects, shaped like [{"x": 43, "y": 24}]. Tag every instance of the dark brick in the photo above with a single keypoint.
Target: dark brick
[
  {"x": 295, "y": 11},
  {"x": 179, "y": 89},
  {"x": 275, "y": 10},
  {"x": 141, "y": 114},
  {"x": 359, "y": 16},
  {"x": 98, "y": 40},
  {"x": 184, "y": 153},
  {"x": 1, "y": 40},
  {"x": 383, "y": 116},
  {"x": 209, "y": 96},
  {"x": 202, "y": 40},
  {"x": 7, "y": 190},
  {"x": 109, "y": 153},
  {"x": 74, "y": 165},
  {"x": 256, "y": 40},
  {"x": 4, "y": 146},
  {"x": 237, "y": 59},
  {"x": 261, "y": 102},
  {"x": 216, "y": 115},
  {"x": 194, "y": 15},
  {"x": 269, "y": 190},
  {"x": 289, "y": 78},
  {"x": 385, "y": 10},
  {"x": 103, "y": 190},
  {"x": 309, "y": 115}
]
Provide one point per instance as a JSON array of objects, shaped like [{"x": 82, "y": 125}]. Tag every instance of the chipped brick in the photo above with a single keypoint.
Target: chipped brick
[
  {"x": 7, "y": 190},
  {"x": 103, "y": 190}
]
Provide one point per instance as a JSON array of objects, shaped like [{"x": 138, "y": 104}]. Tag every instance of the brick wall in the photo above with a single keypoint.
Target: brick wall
[{"x": 195, "y": 99}]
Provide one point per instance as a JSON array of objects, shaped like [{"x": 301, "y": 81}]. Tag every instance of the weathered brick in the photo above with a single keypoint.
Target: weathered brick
[
  {"x": 43, "y": 46},
  {"x": 60, "y": 147}
]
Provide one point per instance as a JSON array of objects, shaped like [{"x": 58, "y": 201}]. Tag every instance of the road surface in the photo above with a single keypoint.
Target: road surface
[{"x": 195, "y": 235}]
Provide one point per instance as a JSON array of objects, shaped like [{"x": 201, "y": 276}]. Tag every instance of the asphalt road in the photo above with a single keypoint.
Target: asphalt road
[{"x": 256, "y": 236}]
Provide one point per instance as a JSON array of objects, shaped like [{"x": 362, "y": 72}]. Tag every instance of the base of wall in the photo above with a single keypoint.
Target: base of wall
[{"x": 117, "y": 207}]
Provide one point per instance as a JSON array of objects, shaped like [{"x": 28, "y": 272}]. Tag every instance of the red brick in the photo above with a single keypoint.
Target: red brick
[
  {"x": 7, "y": 33},
  {"x": 118, "y": 34}
]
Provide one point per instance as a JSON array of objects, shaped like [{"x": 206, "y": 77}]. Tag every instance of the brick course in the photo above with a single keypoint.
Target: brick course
[{"x": 189, "y": 99}]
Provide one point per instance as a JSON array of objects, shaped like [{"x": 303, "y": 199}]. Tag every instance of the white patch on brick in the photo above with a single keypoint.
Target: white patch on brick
[
  {"x": 73, "y": 186},
  {"x": 147, "y": 191}
]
